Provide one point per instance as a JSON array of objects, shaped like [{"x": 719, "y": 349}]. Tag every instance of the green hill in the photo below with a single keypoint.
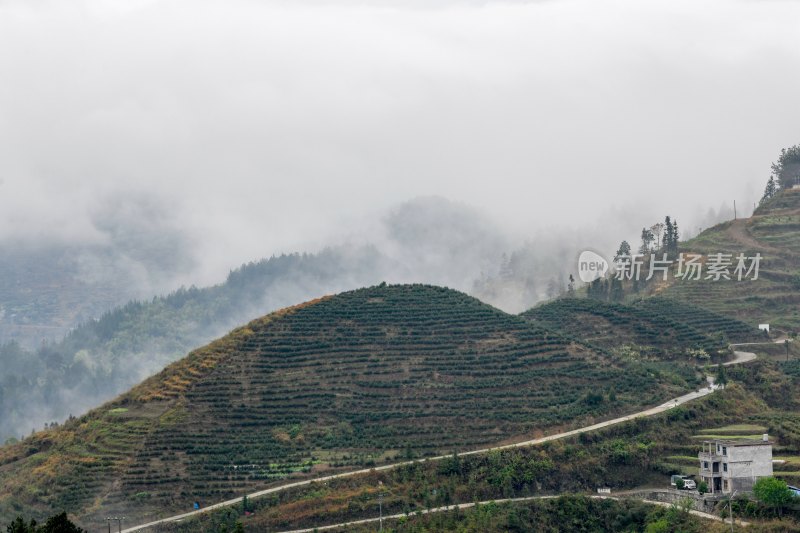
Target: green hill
[
  {"x": 774, "y": 232},
  {"x": 760, "y": 398},
  {"x": 359, "y": 378},
  {"x": 657, "y": 327},
  {"x": 102, "y": 358}
]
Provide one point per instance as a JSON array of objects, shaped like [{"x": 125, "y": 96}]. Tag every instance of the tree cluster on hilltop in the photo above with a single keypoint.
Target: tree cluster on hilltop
[
  {"x": 785, "y": 172},
  {"x": 661, "y": 237}
]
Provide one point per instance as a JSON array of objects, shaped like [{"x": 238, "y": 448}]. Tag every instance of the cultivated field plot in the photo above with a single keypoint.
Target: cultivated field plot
[
  {"x": 774, "y": 232},
  {"x": 658, "y": 327}
]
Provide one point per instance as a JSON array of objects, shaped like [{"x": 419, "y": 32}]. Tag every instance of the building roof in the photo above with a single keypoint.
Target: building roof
[{"x": 732, "y": 443}]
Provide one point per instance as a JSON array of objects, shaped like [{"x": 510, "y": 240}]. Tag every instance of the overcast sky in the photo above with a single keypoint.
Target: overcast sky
[{"x": 260, "y": 126}]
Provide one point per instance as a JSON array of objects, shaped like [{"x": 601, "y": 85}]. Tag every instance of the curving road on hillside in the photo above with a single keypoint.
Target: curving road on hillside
[
  {"x": 363, "y": 521},
  {"x": 744, "y": 357},
  {"x": 740, "y": 357}
]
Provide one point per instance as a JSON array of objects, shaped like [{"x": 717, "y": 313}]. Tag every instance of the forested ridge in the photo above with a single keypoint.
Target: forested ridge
[{"x": 104, "y": 357}]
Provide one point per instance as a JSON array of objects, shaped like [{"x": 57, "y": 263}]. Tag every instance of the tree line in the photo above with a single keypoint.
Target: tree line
[
  {"x": 661, "y": 237},
  {"x": 785, "y": 172},
  {"x": 59, "y": 523}
]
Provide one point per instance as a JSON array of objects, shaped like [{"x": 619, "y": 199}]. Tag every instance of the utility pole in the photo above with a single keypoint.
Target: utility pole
[
  {"x": 117, "y": 519},
  {"x": 734, "y": 210},
  {"x": 380, "y": 505},
  {"x": 730, "y": 507}
]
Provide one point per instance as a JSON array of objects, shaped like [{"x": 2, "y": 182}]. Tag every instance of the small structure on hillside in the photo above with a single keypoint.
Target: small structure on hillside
[
  {"x": 764, "y": 327},
  {"x": 728, "y": 465}
]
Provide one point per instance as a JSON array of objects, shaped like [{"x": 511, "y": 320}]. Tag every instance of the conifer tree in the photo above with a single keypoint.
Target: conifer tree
[
  {"x": 770, "y": 190},
  {"x": 675, "y": 237},
  {"x": 647, "y": 241},
  {"x": 670, "y": 236},
  {"x": 667, "y": 233},
  {"x": 623, "y": 251}
]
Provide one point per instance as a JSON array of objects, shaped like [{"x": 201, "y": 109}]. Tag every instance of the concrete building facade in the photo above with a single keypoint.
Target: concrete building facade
[{"x": 728, "y": 465}]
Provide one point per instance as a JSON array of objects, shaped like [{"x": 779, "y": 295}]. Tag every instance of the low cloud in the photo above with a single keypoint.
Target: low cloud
[{"x": 258, "y": 125}]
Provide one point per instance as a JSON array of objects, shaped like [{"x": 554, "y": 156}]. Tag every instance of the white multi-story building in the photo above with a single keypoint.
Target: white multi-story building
[{"x": 728, "y": 465}]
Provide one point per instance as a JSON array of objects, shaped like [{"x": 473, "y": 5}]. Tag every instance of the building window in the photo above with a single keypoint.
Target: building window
[
  {"x": 705, "y": 465},
  {"x": 724, "y": 450},
  {"x": 724, "y": 467}
]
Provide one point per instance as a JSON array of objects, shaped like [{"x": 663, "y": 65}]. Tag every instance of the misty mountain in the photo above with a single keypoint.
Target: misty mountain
[
  {"x": 68, "y": 340},
  {"x": 133, "y": 249},
  {"x": 101, "y": 358},
  {"x": 429, "y": 239}
]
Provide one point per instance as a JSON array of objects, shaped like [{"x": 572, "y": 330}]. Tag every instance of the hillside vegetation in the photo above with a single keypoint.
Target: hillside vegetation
[
  {"x": 654, "y": 327},
  {"x": 640, "y": 453},
  {"x": 578, "y": 514},
  {"x": 362, "y": 377},
  {"x": 774, "y": 232},
  {"x": 104, "y": 357}
]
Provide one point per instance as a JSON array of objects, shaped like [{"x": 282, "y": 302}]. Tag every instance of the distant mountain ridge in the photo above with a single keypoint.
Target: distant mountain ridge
[{"x": 101, "y": 358}]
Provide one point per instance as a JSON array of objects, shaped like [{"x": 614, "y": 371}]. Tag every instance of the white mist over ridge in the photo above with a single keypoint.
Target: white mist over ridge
[
  {"x": 151, "y": 144},
  {"x": 259, "y": 124},
  {"x": 48, "y": 287}
]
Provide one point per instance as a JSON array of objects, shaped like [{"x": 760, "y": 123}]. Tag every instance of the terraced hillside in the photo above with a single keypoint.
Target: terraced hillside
[
  {"x": 774, "y": 232},
  {"x": 656, "y": 327},
  {"x": 642, "y": 453},
  {"x": 365, "y": 376}
]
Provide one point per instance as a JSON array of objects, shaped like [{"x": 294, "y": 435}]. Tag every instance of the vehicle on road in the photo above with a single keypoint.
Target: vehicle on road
[{"x": 688, "y": 482}]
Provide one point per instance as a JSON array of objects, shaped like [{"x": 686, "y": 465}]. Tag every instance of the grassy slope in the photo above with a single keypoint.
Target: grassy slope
[
  {"x": 577, "y": 514},
  {"x": 364, "y": 376},
  {"x": 773, "y": 231},
  {"x": 657, "y": 326},
  {"x": 639, "y": 453}
]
